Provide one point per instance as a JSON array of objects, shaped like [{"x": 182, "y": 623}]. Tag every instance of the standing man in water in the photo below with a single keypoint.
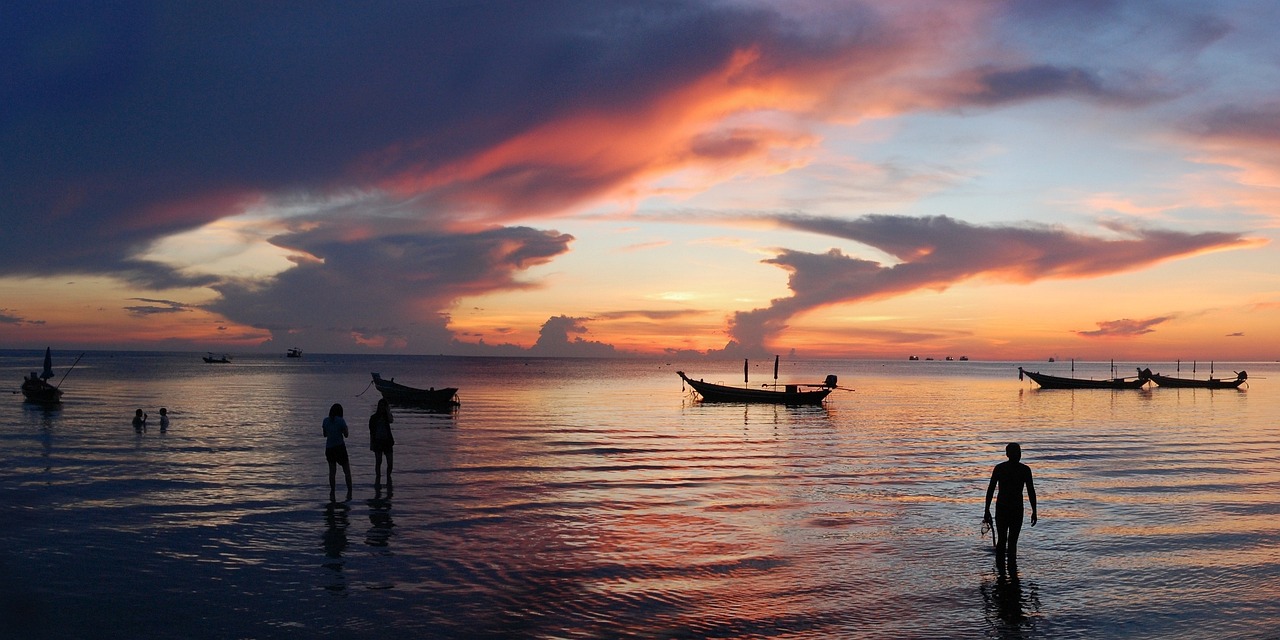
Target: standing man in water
[{"x": 1010, "y": 476}]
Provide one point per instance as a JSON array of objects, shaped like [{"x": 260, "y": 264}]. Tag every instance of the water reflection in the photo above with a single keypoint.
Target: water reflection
[
  {"x": 335, "y": 543},
  {"x": 1011, "y": 608},
  {"x": 380, "y": 531}
]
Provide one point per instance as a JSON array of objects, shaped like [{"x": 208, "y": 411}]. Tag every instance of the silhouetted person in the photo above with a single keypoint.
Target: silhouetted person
[
  {"x": 139, "y": 421},
  {"x": 1010, "y": 476},
  {"x": 164, "y": 419},
  {"x": 380, "y": 441},
  {"x": 335, "y": 448}
]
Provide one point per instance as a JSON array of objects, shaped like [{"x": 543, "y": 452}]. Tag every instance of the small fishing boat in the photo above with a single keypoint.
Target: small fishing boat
[
  {"x": 294, "y": 353},
  {"x": 396, "y": 393},
  {"x": 36, "y": 388},
  {"x": 792, "y": 394},
  {"x": 1047, "y": 381},
  {"x": 221, "y": 359},
  {"x": 1193, "y": 383}
]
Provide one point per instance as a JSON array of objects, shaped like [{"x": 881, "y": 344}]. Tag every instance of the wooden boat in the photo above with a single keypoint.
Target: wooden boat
[
  {"x": 791, "y": 393},
  {"x": 399, "y": 394},
  {"x": 222, "y": 359},
  {"x": 294, "y": 353},
  {"x": 1047, "y": 381},
  {"x": 36, "y": 388},
  {"x": 1211, "y": 383}
]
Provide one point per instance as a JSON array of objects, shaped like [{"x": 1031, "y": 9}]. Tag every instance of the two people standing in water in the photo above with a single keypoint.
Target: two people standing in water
[
  {"x": 381, "y": 443},
  {"x": 1009, "y": 477},
  {"x": 140, "y": 420}
]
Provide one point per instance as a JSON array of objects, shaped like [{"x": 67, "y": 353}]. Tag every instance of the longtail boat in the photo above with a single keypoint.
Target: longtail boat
[
  {"x": 1047, "y": 381},
  {"x": 399, "y": 394},
  {"x": 792, "y": 394},
  {"x": 36, "y": 388},
  {"x": 1211, "y": 383}
]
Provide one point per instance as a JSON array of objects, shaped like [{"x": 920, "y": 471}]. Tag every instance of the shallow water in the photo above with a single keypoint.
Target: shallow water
[{"x": 597, "y": 499}]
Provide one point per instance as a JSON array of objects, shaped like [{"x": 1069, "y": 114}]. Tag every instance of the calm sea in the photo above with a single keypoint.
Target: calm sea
[{"x": 597, "y": 499}]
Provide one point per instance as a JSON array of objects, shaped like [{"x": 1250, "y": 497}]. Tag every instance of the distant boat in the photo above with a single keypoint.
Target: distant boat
[
  {"x": 791, "y": 393},
  {"x": 36, "y": 388},
  {"x": 1052, "y": 359},
  {"x": 1057, "y": 382},
  {"x": 914, "y": 358},
  {"x": 221, "y": 359},
  {"x": 1211, "y": 383},
  {"x": 399, "y": 394},
  {"x": 294, "y": 353},
  {"x": 949, "y": 358},
  {"x": 964, "y": 358}
]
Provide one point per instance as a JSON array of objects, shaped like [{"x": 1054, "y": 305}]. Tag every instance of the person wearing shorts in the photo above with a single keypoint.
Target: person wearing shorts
[{"x": 335, "y": 449}]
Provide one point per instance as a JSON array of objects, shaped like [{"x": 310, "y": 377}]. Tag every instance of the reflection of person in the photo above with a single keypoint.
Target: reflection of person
[
  {"x": 381, "y": 441},
  {"x": 139, "y": 421},
  {"x": 164, "y": 419},
  {"x": 335, "y": 448},
  {"x": 1010, "y": 476}
]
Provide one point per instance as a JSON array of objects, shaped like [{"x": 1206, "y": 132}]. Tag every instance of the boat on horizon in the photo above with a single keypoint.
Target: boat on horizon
[
  {"x": 1047, "y": 381},
  {"x": 221, "y": 359},
  {"x": 399, "y": 394},
  {"x": 293, "y": 352}
]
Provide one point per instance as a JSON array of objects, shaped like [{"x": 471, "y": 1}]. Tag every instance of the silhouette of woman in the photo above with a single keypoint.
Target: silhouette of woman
[{"x": 335, "y": 449}]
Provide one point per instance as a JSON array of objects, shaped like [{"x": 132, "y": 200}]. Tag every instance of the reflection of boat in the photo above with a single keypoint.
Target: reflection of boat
[
  {"x": 1057, "y": 382},
  {"x": 1211, "y": 383},
  {"x": 790, "y": 395},
  {"x": 222, "y": 359},
  {"x": 396, "y": 393},
  {"x": 294, "y": 353}
]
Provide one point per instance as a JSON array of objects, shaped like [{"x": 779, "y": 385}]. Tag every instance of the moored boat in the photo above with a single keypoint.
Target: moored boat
[
  {"x": 791, "y": 394},
  {"x": 399, "y": 394},
  {"x": 1047, "y": 381},
  {"x": 36, "y": 388},
  {"x": 1193, "y": 383}
]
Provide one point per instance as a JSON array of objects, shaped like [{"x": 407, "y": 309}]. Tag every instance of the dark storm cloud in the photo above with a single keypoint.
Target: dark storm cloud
[
  {"x": 554, "y": 340},
  {"x": 361, "y": 284},
  {"x": 131, "y": 122},
  {"x": 1124, "y": 328},
  {"x": 937, "y": 252}
]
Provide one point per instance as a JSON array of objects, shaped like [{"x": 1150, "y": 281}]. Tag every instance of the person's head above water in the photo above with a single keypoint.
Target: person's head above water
[{"x": 1014, "y": 451}]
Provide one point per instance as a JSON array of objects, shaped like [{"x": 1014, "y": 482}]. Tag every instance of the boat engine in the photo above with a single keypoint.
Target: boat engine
[{"x": 830, "y": 381}]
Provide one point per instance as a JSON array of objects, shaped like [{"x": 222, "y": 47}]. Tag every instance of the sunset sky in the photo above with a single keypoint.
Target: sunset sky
[{"x": 1002, "y": 180}]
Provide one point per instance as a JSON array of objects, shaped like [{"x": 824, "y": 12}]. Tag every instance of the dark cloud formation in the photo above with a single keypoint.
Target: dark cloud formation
[
  {"x": 154, "y": 307},
  {"x": 1001, "y": 86},
  {"x": 8, "y": 316},
  {"x": 553, "y": 340},
  {"x": 139, "y": 120},
  {"x": 937, "y": 252},
  {"x": 1124, "y": 328},
  {"x": 382, "y": 285}
]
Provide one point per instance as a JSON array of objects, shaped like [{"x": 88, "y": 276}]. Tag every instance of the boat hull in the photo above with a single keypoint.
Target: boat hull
[
  {"x": 1057, "y": 382},
  {"x": 721, "y": 393},
  {"x": 41, "y": 392},
  {"x": 398, "y": 394},
  {"x": 1189, "y": 383}
]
